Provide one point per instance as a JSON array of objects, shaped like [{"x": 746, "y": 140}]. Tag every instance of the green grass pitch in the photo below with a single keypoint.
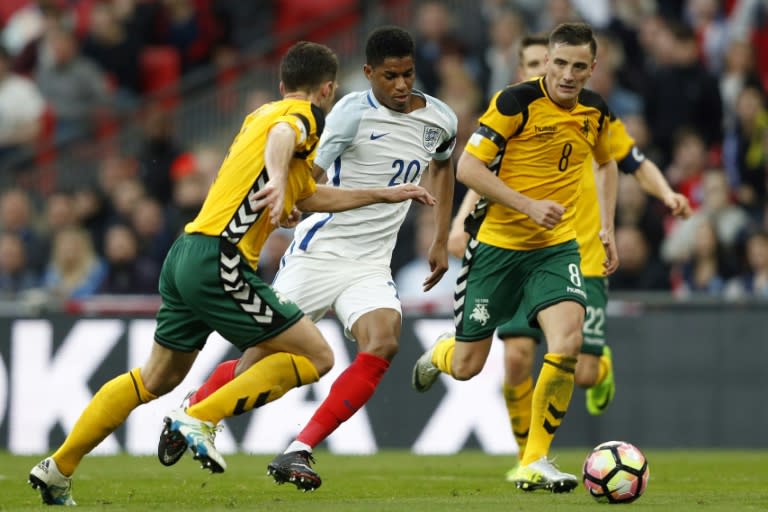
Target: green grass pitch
[{"x": 695, "y": 480}]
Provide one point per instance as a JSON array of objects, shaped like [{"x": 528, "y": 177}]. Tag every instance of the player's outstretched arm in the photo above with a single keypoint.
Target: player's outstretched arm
[
  {"x": 606, "y": 179},
  {"x": 335, "y": 199},
  {"x": 281, "y": 144},
  {"x": 457, "y": 237},
  {"x": 654, "y": 183},
  {"x": 474, "y": 174}
]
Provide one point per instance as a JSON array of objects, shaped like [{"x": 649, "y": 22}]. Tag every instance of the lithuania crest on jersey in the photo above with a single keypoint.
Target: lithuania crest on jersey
[{"x": 431, "y": 138}]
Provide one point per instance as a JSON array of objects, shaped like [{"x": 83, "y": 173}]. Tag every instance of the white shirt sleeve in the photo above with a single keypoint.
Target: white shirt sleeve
[{"x": 340, "y": 129}]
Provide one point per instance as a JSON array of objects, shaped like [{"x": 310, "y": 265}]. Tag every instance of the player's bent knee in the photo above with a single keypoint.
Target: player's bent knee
[
  {"x": 322, "y": 360},
  {"x": 464, "y": 370},
  {"x": 385, "y": 348}
]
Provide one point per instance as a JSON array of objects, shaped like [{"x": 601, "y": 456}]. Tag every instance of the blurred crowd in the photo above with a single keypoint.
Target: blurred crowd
[{"x": 687, "y": 77}]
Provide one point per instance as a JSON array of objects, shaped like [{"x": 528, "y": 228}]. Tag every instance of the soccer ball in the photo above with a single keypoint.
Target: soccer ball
[{"x": 615, "y": 472}]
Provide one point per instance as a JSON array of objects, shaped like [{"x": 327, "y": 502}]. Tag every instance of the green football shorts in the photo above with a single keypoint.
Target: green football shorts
[
  {"x": 206, "y": 286},
  {"x": 495, "y": 283}
]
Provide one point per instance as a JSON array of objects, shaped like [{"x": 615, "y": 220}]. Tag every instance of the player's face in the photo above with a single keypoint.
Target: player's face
[
  {"x": 392, "y": 82},
  {"x": 533, "y": 61},
  {"x": 567, "y": 71}
]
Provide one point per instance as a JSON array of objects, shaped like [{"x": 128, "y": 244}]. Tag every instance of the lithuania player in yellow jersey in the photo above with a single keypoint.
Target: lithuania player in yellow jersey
[
  {"x": 523, "y": 254},
  {"x": 594, "y": 369},
  {"x": 208, "y": 281}
]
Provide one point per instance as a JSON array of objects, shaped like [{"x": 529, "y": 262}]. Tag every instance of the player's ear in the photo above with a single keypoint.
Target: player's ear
[
  {"x": 368, "y": 71},
  {"x": 282, "y": 88}
]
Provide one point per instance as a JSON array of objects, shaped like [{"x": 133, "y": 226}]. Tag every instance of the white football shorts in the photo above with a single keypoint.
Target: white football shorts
[{"x": 349, "y": 288}]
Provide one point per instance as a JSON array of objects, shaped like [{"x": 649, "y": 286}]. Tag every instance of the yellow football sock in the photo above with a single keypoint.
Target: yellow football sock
[
  {"x": 442, "y": 354},
  {"x": 518, "y": 399},
  {"x": 550, "y": 400},
  {"x": 602, "y": 369},
  {"x": 265, "y": 381},
  {"x": 107, "y": 410}
]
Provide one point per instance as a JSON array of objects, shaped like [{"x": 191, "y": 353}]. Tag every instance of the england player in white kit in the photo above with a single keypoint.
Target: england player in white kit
[
  {"x": 385, "y": 136},
  {"x": 342, "y": 260}
]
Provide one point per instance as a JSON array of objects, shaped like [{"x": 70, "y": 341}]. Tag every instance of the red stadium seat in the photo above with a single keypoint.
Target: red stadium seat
[
  {"x": 160, "y": 70},
  {"x": 8, "y": 7}
]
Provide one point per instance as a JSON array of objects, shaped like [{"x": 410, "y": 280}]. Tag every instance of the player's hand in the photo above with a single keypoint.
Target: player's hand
[
  {"x": 678, "y": 204},
  {"x": 271, "y": 197},
  {"x": 406, "y": 191},
  {"x": 292, "y": 220},
  {"x": 438, "y": 264},
  {"x": 611, "y": 262},
  {"x": 545, "y": 213},
  {"x": 457, "y": 242}
]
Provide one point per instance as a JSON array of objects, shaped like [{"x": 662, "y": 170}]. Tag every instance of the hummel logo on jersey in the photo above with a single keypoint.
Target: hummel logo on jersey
[{"x": 375, "y": 135}]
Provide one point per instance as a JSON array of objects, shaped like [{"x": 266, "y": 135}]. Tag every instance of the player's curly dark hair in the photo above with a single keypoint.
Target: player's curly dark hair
[
  {"x": 308, "y": 65},
  {"x": 387, "y": 41},
  {"x": 574, "y": 34}
]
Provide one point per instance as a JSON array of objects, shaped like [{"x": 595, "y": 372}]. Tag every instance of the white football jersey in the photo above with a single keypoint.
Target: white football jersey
[{"x": 367, "y": 145}]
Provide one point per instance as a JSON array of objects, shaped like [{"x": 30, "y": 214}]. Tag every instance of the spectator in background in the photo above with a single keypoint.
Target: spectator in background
[
  {"x": 151, "y": 227},
  {"x": 689, "y": 160},
  {"x": 753, "y": 282},
  {"x": 51, "y": 17},
  {"x": 745, "y": 150},
  {"x": 435, "y": 36},
  {"x": 680, "y": 91},
  {"x": 554, "y": 13},
  {"x": 127, "y": 272},
  {"x": 114, "y": 169},
  {"x": 21, "y": 109},
  {"x": 706, "y": 270},
  {"x": 208, "y": 159},
  {"x": 191, "y": 28},
  {"x": 738, "y": 72},
  {"x": 711, "y": 30},
  {"x": 635, "y": 208},
  {"x": 74, "y": 271},
  {"x": 502, "y": 55},
  {"x": 115, "y": 50},
  {"x": 60, "y": 213},
  {"x": 124, "y": 199},
  {"x": 25, "y": 25},
  {"x": 16, "y": 277},
  {"x": 457, "y": 87},
  {"x": 188, "y": 196},
  {"x": 626, "y": 20},
  {"x": 92, "y": 211},
  {"x": 622, "y": 102},
  {"x": 157, "y": 153},
  {"x": 730, "y": 220},
  {"x": 639, "y": 270},
  {"x": 17, "y": 216},
  {"x": 71, "y": 83}
]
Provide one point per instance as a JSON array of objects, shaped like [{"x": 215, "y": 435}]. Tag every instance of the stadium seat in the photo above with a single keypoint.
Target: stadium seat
[
  {"x": 8, "y": 7},
  {"x": 160, "y": 70}
]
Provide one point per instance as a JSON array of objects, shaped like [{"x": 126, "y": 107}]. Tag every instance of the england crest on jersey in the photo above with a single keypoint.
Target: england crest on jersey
[{"x": 431, "y": 137}]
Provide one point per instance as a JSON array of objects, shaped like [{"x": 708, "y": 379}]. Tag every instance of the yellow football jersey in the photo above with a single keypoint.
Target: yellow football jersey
[
  {"x": 587, "y": 221},
  {"x": 542, "y": 148},
  {"x": 227, "y": 210}
]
